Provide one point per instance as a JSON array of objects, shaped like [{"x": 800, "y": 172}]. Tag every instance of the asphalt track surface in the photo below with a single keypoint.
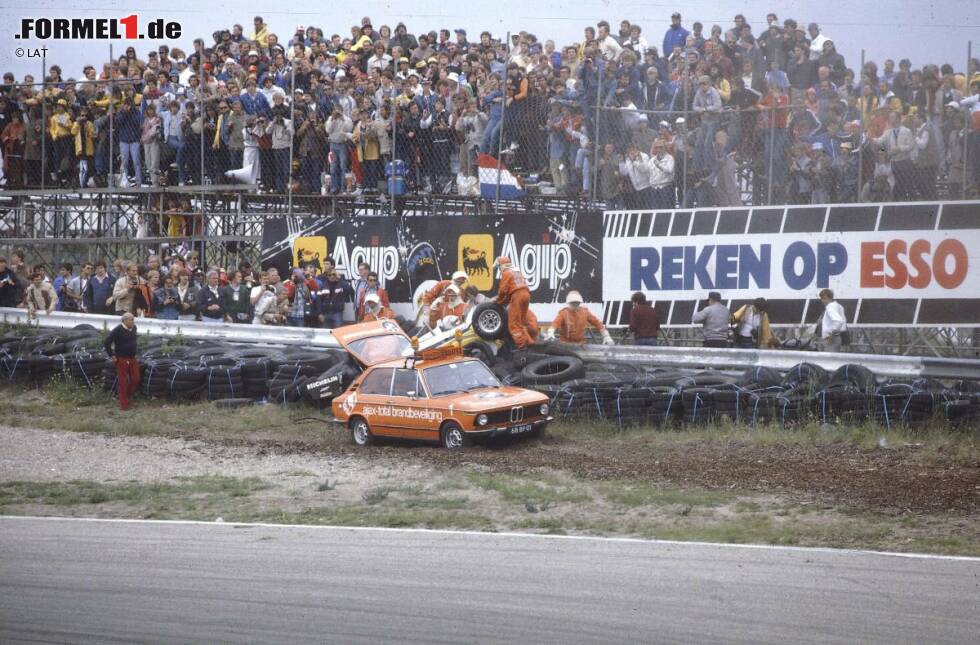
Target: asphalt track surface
[{"x": 119, "y": 581}]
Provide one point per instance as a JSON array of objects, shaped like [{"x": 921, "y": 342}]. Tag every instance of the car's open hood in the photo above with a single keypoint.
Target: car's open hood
[{"x": 368, "y": 354}]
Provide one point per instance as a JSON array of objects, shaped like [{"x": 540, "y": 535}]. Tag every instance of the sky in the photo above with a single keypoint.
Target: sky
[{"x": 927, "y": 31}]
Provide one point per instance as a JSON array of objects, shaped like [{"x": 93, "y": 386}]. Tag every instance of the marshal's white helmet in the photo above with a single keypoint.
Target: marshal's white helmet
[{"x": 573, "y": 297}]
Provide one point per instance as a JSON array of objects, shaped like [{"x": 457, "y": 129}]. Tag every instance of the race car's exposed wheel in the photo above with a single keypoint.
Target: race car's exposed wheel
[
  {"x": 490, "y": 321},
  {"x": 360, "y": 432},
  {"x": 453, "y": 437}
]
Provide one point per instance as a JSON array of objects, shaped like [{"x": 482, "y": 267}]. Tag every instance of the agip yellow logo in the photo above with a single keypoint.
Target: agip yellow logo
[
  {"x": 474, "y": 255},
  {"x": 310, "y": 252}
]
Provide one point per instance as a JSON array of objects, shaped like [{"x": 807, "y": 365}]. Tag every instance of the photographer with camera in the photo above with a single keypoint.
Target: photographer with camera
[
  {"x": 124, "y": 293},
  {"x": 166, "y": 300},
  {"x": 300, "y": 299},
  {"x": 265, "y": 309}
]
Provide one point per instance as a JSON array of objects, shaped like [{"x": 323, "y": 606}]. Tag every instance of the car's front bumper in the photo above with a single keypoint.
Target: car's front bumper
[{"x": 492, "y": 432}]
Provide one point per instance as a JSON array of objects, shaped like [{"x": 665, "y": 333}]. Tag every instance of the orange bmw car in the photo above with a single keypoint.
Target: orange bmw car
[{"x": 449, "y": 399}]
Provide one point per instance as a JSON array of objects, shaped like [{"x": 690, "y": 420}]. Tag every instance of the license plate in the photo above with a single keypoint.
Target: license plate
[{"x": 521, "y": 429}]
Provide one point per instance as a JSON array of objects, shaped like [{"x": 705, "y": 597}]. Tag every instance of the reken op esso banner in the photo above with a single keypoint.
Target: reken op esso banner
[{"x": 894, "y": 263}]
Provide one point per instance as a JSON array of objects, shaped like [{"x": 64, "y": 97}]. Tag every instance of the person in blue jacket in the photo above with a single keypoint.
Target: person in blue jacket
[{"x": 676, "y": 36}]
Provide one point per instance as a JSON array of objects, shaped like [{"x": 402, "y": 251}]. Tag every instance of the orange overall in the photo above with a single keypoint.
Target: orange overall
[
  {"x": 571, "y": 323},
  {"x": 515, "y": 294},
  {"x": 430, "y": 296},
  {"x": 441, "y": 308}
]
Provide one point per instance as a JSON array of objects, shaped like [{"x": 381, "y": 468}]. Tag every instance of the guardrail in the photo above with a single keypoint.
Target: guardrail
[
  {"x": 188, "y": 329},
  {"x": 686, "y": 357},
  {"x": 741, "y": 359}
]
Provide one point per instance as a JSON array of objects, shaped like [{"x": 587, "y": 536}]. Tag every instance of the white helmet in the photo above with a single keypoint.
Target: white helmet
[
  {"x": 460, "y": 275},
  {"x": 372, "y": 298},
  {"x": 452, "y": 290},
  {"x": 573, "y": 297}
]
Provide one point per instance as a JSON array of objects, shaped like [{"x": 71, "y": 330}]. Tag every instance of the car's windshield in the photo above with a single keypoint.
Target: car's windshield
[
  {"x": 459, "y": 377},
  {"x": 378, "y": 349}
]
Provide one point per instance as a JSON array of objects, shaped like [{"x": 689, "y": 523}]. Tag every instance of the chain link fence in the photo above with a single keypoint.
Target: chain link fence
[{"x": 619, "y": 136}]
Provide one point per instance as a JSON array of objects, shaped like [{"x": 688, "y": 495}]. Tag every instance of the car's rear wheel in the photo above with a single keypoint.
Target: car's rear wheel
[
  {"x": 453, "y": 437},
  {"x": 360, "y": 432}
]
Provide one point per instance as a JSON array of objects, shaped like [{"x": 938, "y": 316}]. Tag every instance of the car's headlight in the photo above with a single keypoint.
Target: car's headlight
[
  {"x": 482, "y": 420},
  {"x": 544, "y": 408}
]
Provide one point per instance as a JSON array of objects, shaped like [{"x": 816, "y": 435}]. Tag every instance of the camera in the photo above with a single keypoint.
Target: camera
[
  {"x": 134, "y": 282},
  {"x": 270, "y": 288}
]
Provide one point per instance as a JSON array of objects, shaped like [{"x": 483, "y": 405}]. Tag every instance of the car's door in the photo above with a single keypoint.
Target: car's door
[
  {"x": 413, "y": 414},
  {"x": 372, "y": 397}
]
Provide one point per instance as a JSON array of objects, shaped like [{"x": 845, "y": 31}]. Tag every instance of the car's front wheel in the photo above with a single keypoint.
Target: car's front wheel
[
  {"x": 453, "y": 437},
  {"x": 360, "y": 432}
]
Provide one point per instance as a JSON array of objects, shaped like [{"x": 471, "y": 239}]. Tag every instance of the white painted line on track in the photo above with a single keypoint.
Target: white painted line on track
[{"x": 505, "y": 534}]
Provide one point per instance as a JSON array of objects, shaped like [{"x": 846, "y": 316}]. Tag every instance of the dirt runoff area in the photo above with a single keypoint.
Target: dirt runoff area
[{"x": 577, "y": 481}]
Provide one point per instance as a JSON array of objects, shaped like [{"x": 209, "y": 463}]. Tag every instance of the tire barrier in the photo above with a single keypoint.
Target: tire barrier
[
  {"x": 627, "y": 394},
  {"x": 658, "y": 397}
]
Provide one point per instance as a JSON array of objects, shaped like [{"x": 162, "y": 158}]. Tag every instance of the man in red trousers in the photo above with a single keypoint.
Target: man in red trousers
[{"x": 120, "y": 345}]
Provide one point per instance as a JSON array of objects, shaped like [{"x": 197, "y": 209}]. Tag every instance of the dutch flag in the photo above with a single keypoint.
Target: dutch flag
[{"x": 511, "y": 187}]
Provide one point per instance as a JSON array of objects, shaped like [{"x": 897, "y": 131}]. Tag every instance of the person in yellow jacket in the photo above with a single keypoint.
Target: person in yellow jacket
[
  {"x": 751, "y": 323},
  {"x": 59, "y": 129},
  {"x": 572, "y": 322},
  {"x": 83, "y": 130}
]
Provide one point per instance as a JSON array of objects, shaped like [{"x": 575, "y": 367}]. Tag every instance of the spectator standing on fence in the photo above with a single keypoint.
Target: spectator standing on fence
[
  {"x": 833, "y": 325},
  {"x": 210, "y": 303},
  {"x": 121, "y": 346},
  {"x": 635, "y": 167},
  {"x": 662, "y": 176},
  {"x": 83, "y": 132},
  {"x": 280, "y": 129},
  {"x": 644, "y": 322},
  {"x": 898, "y": 142},
  {"x": 715, "y": 321},
  {"x": 152, "y": 131},
  {"x": 128, "y": 127},
  {"x": 339, "y": 128}
]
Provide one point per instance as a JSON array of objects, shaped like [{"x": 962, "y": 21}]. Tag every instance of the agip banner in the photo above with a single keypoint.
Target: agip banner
[
  {"x": 901, "y": 264},
  {"x": 555, "y": 253}
]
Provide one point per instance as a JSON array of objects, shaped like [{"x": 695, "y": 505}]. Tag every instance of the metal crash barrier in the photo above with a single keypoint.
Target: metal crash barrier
[{"x": 909, "y": 367}]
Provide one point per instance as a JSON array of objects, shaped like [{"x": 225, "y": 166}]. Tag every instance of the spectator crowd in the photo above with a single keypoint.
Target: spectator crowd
[
  {"x": 177, "y": 288},
  {"x": 702, "y": 117}
]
